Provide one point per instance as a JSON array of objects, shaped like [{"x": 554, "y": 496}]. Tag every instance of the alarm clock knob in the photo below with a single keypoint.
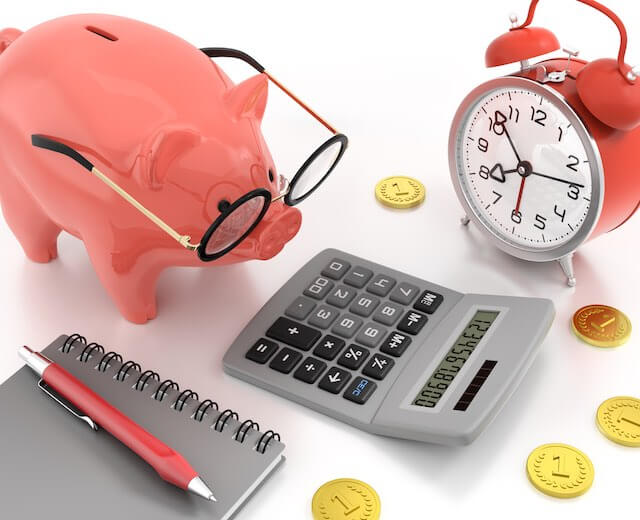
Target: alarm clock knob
[
  {"x": 610, "y": 96},
  {"x": 513, "y": 18},
  {"x": 633, "y": 74}
]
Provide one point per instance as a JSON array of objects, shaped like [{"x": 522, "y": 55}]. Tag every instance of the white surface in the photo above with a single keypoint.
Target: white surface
[{"x": 390, "y": 76}]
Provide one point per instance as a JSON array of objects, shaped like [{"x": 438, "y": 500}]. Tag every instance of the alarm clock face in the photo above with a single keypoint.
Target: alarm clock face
[{"x": 526, "y": 168}]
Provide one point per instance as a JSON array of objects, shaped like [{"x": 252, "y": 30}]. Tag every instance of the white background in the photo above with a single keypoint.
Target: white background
[{"x": 390, "y": 75}]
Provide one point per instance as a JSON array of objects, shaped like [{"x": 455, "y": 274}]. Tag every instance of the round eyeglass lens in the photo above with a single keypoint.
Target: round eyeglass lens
[
  {"x": 315, "y": 171},
  {"x": 236, "y": 225}
]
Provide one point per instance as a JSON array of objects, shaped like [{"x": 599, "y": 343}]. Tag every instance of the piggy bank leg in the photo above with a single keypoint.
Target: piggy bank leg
[
  {"x": 37, "y": 234},
  {"x": 131, "y": 285}
]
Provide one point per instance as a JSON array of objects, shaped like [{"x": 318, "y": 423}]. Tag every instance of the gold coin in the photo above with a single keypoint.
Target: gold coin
[
  {"x": 618, "y": 419},
  {"x": 345, "y": 499},
  {"x": 559, "y": 470},
  {"x": 400, "y": 192},
  {"x": 601, "y": 325}
]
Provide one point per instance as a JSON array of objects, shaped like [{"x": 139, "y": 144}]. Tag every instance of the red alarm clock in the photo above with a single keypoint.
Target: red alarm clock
[{"x": 547, "y": 158}]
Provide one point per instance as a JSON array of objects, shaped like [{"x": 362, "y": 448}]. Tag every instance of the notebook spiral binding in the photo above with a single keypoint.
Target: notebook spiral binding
[{"x": 148, "y": 377}]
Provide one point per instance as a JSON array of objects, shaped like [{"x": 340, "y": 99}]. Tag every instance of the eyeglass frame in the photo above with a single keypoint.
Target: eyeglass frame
[{"x": 55, "y": 145}]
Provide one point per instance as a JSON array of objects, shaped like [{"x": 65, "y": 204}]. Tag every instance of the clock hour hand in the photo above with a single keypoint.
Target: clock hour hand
[
  {"x": 498, "y": 173},
  {"x": 558, "y": 179}
]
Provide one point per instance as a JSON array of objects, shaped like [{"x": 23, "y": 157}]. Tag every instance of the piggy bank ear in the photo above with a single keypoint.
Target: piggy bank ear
[
  {"x": 249, "y": 98},
  {"x": 159, "y": 151}
]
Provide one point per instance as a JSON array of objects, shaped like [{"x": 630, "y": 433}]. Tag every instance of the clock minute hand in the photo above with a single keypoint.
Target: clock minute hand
[
  {"x": 501, "y": 120},
  {"x": 558, "y": 179}
]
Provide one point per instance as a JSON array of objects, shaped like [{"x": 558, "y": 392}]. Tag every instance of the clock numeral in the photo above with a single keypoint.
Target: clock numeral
[
  {"x": 541, "y": 222},
  {"x": 483, "y": 144},
  {"x": 539, "y": 116},
  {"x": 484, "y": 172},
  {"x": 498, "y": 126},
  {"x": 560, "y": 136},
  {"x": 561, "y": 215},
  {"x": 513, "y": 112},
  {"x": 575, "y": 162},
  {"x": 574, "y": 192},
  {"x": 498, "y": 197},
  {"x": 516, "y": 216}
]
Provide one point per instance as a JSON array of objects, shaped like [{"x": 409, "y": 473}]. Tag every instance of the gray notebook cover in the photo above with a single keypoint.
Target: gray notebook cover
[{"x": 54, "y": 466}]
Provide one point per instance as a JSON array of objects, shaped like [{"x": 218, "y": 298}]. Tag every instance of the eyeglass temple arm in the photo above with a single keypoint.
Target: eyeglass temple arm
[
  {"x": 224, "y": 52},
  {"x": 46, "y": 143}
]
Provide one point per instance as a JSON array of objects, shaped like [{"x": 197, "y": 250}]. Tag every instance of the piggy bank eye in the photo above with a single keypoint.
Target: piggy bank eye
[
  {"x": 271, "y": 176},
  {"x": 223, "y": 205}
]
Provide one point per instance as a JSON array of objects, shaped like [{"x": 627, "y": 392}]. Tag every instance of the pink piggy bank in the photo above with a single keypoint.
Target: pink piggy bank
[{"x": 160, "y": 159}]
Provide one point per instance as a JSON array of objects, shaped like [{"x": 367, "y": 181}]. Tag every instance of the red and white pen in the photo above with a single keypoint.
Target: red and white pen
[{"x": 169, "y": 464}]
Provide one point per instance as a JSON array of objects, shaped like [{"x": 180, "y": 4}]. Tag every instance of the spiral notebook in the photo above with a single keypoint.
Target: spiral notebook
[{"x": 55, "y": 466}]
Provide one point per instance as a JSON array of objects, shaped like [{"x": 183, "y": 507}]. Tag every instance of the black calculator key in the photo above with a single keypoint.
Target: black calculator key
[
  {"x": 360, "y": 390},
  {"x": 336, "y": 269},
  {"x": 335, "y": 380},
  {"x": 285, "y": 360},
  {"x": 412, "y": 322},
  {"x": 428, "y": 302},
  {"x": 300, "y": 308},
  {"x": 378, "y": 367},
  {"x": 310, "y": 370},
  {"x": 262, "y": 351},
  {"x": 353, "y": 357},
  {"x": 381, "y": 285},
  {"x": 395, "y": 344},
  {"x": 293, "y": 333},
  {"x": 329, "y": 347},
  {"x": 341, "y": 296},
  {"x": 358, "y": 277},
  {"x": 364, "y": 305},
  {"x": 319, "y": 288}
]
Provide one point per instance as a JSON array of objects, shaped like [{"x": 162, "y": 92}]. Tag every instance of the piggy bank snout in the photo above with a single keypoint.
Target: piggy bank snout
[{"x": 273, "y": 233}]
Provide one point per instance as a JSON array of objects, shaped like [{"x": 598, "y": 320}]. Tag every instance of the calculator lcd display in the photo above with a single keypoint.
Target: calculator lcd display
[{"x": 454, "y": 360}]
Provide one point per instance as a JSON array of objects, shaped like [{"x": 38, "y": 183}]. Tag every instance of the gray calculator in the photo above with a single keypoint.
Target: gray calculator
[{"x": 388, "y": 352}]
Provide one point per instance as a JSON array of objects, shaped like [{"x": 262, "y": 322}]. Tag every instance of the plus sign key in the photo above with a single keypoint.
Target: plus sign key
[
  {"x": 310, "y": 370},
  {"x": 293, "y": 333}
]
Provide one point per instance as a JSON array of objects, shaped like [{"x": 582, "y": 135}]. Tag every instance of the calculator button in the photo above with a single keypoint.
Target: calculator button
[
  {"x": 335, "y": 380},
  {"x": 336, "y": 269},
  {"x": 381, "y": 285},
  {"x": 319, "y": 288},
  {"x": 412, "y": 322},
  {"x": 323, "y": 317},
  {"x": 262, "y": 351},
  {"x": 341, "y": 296},
  {"x": 293, "y": 333},
  {"x": 364, "y": 305},
  {"x": 378, "y": 367},
  {"x": 371, "y": 335},
  {"x": 353, "y": 357},
  {"x": 300, "y": 308},
  {"x": 285, "y": 360},
  {"x": 395, "y": 344},
  {"x": 388, "y": 314},
  {"x": 428, "y": 302},
  {"x": 329, "y": 347},
  {"x": 360, "y": 390},
  {"x": 404, "y": 293},
  {"x": 347, "y": 326},
  {"x": 358, "y": 277},
  {"x": 310, "y": 370}
]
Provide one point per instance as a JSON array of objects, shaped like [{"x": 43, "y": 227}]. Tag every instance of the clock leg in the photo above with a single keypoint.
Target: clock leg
[
  {"x": 566, "y": 262},
  {"x": 465, "y": 220}
]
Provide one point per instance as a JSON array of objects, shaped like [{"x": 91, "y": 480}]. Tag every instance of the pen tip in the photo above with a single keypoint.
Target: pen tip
[{"x": 199, "y": 487}]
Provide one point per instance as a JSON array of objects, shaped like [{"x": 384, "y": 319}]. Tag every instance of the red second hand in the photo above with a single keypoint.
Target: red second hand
[{"x": 524, "y": 179}]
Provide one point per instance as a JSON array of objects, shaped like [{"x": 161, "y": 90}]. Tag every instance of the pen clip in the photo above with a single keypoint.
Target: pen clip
[{"x": 65, "y": 404}]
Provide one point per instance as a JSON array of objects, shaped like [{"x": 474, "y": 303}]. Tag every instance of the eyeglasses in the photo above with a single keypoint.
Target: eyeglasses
[{"x": 239, "y": 219}]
